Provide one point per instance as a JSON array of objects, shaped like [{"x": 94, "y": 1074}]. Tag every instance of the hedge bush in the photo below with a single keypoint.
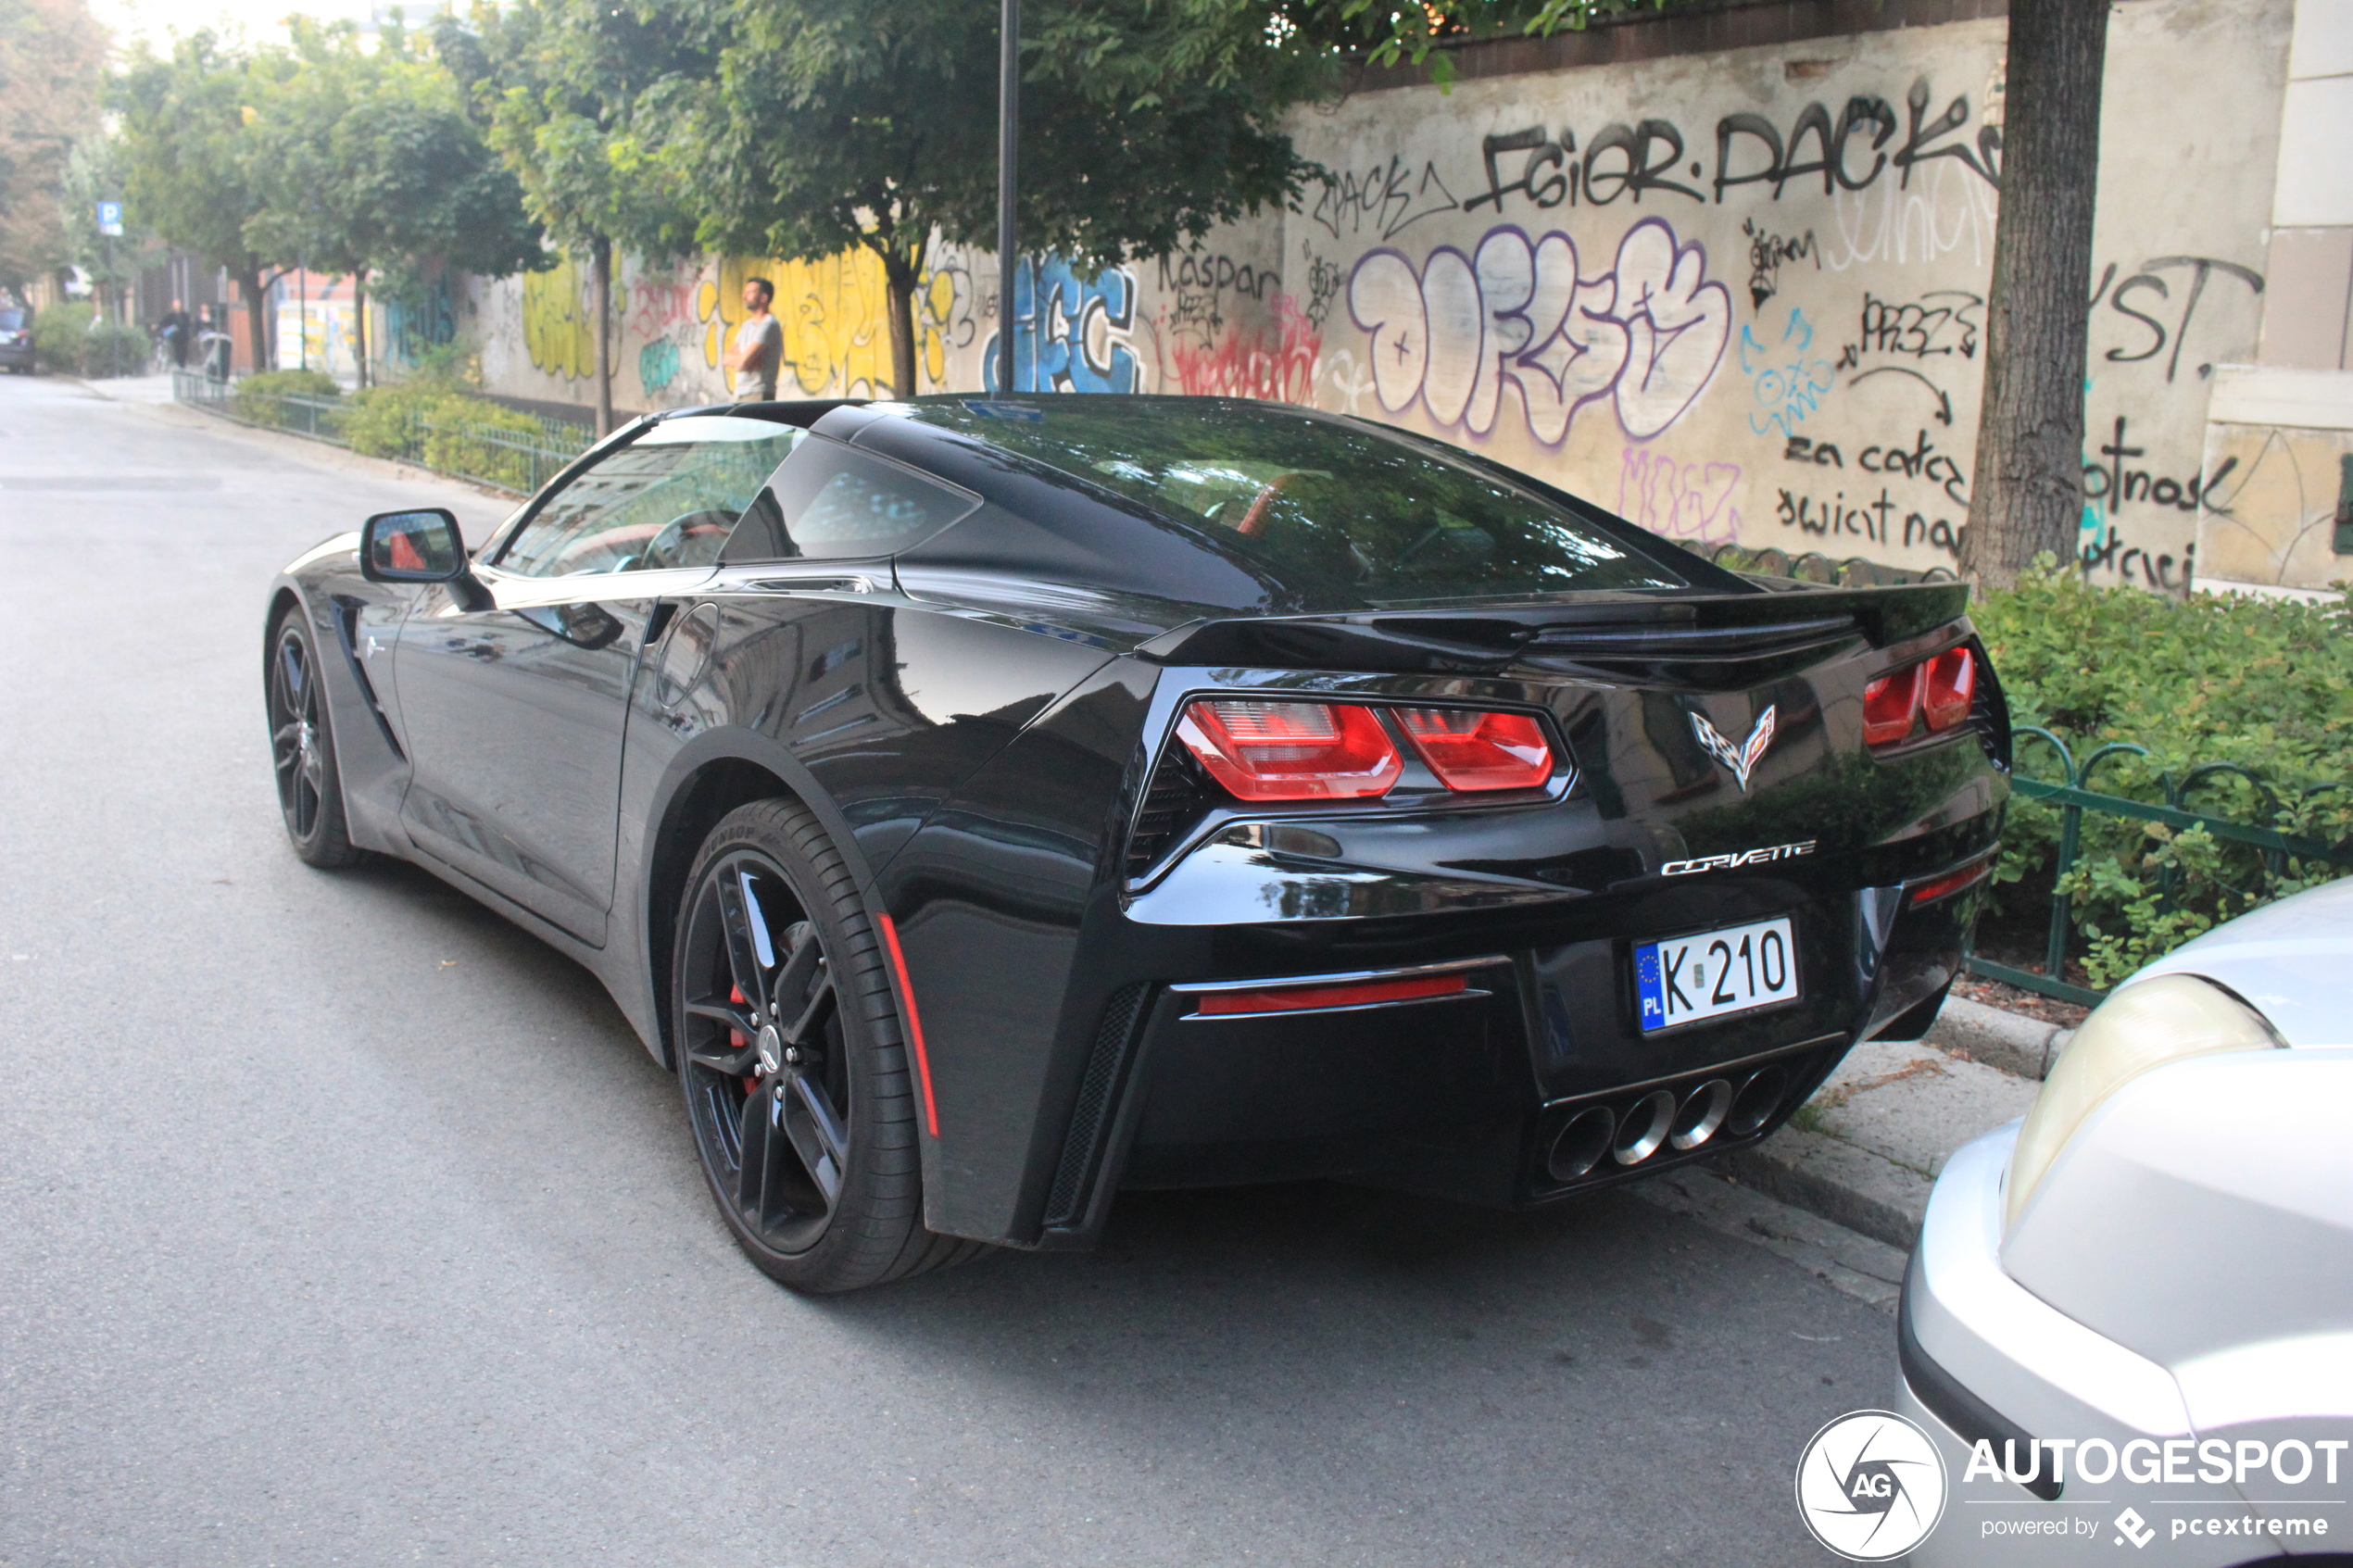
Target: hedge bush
[
  {"x": 2264, "y": 685},
  {"x": 429, "y": 421},
  {"x": 256, "y": 398},
  {"x": 64, "y": 339}
]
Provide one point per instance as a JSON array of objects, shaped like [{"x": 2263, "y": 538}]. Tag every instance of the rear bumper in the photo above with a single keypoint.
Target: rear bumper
[{"x": 1532, "y": 1084}]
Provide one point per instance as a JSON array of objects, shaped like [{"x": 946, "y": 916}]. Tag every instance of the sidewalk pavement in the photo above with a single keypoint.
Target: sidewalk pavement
[
  {"x": 1842, "y": 1189},
  {"x": 1864, "y": 1150}
]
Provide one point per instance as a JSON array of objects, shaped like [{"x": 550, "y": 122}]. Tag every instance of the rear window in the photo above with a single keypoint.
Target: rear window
[
  {"x": 10, "y": 320},
  {"x": 835, "y": 501},
  {"x": 1387, "y": 520}
]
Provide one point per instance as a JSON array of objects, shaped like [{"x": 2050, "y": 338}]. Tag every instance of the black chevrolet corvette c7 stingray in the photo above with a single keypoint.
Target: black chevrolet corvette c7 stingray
[{"x": 984, "y": 806}]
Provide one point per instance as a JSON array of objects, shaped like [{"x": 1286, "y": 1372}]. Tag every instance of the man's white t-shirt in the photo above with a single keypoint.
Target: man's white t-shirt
[{"x": 757, "y": 332}]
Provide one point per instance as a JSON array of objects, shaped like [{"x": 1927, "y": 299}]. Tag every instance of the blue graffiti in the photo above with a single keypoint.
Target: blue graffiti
[
  {"x": 657, "y": 364},
  {"x": 1074, "y": 340},
  {"x": 431, "y": 321},
  {"x": 1788, "y": 388}
]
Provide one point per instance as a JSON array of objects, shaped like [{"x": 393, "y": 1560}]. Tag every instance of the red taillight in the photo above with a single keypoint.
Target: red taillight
[
  {"x": 1889, "y": 705},
  {"x": 1348, "y": 994},
  {"x": 1468, "y": 749},
  {"x": 1291, "y": 750},
  {"x": 1938, "y": 689},
  {"x": 1952, "y": 681}
]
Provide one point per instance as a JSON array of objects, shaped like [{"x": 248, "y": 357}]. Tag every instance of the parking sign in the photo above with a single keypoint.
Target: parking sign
[{"x": 111, "y": 217}]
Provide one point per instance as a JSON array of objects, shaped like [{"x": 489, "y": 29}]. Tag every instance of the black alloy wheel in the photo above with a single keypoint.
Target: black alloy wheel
[
  {"x": 302, "y": 747},
  {"x": 787, "y": 1040}
]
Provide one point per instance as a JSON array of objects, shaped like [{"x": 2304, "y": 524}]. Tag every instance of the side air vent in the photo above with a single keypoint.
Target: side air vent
[
  {"x": 1174, "y": 800},
  {"x": 1989, "y": 711},
  {"x": 1081, "y": 1146}
]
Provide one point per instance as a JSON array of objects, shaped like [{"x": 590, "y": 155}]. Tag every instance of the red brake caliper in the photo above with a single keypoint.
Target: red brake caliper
[{"x": 736, "y": 1039}]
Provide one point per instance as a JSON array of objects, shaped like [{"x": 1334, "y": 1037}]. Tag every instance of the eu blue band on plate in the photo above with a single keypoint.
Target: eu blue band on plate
[{"x": 1646, "y": 980}]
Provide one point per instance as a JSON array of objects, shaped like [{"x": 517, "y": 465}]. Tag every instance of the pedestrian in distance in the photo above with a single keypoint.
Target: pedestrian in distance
[
  {"x": 177, "y": 330},
  {"x": 760, "y": 345}
]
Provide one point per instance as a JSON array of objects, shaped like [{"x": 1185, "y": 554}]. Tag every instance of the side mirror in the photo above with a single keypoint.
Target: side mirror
[{"x": 421, "y": 547}]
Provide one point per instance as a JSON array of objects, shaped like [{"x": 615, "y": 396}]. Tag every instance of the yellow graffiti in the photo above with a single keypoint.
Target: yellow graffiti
[
  {"x": 836, "y": 316},
  {"x": 556, "y": 327}
]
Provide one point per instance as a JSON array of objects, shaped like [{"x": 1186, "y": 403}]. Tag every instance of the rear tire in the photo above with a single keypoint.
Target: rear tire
[
  {"x": 797, "y": 1087},
  {"x": 302, "y": 747}
]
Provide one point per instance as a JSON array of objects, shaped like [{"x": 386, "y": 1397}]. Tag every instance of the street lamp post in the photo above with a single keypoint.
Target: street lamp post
[{"x": 1008, "y": 150}]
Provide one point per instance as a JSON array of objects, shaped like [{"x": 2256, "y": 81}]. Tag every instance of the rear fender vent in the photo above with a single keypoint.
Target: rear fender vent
[
  {"x": 1989, "y": 710},
  {"x": 1175, "y": 802},
  {"x": 1082, "y": 1146}
]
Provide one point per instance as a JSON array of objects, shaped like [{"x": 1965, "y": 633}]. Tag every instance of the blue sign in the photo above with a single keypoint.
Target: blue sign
[{"x": 111, "y": 217}]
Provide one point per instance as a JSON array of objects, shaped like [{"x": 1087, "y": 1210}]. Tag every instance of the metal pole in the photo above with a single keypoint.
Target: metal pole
[{"x": 1008, "y": 150}]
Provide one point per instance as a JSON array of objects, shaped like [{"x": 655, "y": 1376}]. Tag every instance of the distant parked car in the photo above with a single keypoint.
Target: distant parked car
[
  {"x": 16, "y": 340},
  {"x": 2155, "y": 1268}
]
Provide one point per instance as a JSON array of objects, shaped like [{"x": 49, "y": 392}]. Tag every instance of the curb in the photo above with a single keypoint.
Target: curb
[
  {"x": 2011, "y": 1041},
  {"x": 1864, "y": 1150}
]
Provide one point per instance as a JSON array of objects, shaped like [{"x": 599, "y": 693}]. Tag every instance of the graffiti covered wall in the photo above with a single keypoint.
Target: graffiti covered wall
[{"x": 1737, "y": 297}]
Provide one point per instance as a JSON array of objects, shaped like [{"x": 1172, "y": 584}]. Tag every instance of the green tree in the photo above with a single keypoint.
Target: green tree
[
  {"x": 835, "y": 123},
  {"x": 193, "y": 173},
  {"x": 375, "y": 169},
  {"x": 1410, "y": 33},
  {"x": 51, "y": 56},
  {"x": 555, "y": 86}
]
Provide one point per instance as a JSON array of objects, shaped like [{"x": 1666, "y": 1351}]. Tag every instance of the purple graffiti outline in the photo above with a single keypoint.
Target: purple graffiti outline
[{"x": 1620, "y": 314}]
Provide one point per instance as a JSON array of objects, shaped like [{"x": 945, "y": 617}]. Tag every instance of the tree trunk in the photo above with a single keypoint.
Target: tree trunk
[
  {"x": 600, "y": 287},
  {"x": 900, "y": 273},
  {"x": 2028, "y": 495},
  {"x": 359, "y": 324},
  {"x": 256, "y": 318}
]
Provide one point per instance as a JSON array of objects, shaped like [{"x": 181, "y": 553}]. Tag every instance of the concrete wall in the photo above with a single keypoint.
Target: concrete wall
[{"x": 1737, "y": 295}]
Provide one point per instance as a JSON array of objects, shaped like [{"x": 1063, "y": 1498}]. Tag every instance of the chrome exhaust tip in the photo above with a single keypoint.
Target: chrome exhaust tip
[
  {"x": 1703, "y": 1110},
  {"x": 1582, "y": 1144},
  {"x": 1757, "y": 1099},
  {"x": 1644, "y": 1127}
]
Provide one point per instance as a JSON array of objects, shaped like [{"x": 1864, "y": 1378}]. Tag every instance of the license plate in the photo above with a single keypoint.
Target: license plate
[{"x": 1712, "y": 973}]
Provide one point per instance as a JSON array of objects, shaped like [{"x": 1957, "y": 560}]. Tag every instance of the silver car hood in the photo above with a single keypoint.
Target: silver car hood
[{"x": 2292, "y": 960}]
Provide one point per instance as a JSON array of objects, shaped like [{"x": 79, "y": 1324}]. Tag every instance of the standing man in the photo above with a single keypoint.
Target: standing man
[
  {"x": 178, "y": 331},
  {"x": 760, "y": 345}
]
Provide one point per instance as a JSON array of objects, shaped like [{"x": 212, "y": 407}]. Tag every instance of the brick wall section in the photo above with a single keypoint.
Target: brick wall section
[{"x": 1695, "y": 30}]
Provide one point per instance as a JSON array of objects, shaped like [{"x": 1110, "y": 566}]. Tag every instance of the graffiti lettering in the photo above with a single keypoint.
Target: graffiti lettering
[
  {"x": 1070, "y": 334},
  {"x": 556, "y": 330},
  {"x": 1454, "y": 334},
  {"x": 1765, "y": 254},
  {"x": 1869, "y": 520},
  {"x": 1787, "y": 384},
  {"x": 2147, "y": 281},
  {"x": 1833, "y": 160},
  {"x": 1388, "y": 200},
  {"x": 1682, "y": 500},
  {"x": 1940, "y": 323},
  {"x": 1822, "y": 454},
  {"x": 2156, "y": 571},
  {"x": 1278, "y": 366},
  {"x": 2112, "y": 485},
  {"x": 1323, "y": 287}
]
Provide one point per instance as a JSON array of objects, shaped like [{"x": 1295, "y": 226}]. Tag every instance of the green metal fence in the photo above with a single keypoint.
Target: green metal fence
[
  {"x": 515, "y": 461},
  {"x": 2074, "y": 795}
]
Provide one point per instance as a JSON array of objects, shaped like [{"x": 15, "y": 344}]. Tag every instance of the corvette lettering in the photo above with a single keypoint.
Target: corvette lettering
[{"x": 1734, "y": 862}]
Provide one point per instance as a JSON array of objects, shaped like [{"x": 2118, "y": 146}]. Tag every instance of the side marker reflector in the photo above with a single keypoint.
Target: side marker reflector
[{"x": 914, "y": 1021}]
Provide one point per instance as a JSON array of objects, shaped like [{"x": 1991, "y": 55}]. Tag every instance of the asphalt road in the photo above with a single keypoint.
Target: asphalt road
[{"x": 341, "y": 1222}]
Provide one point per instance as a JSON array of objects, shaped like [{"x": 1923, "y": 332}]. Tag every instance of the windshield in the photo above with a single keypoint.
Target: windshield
[
  {"x": 667, "y": 500},
  {"x": 10, "y": 320},
  {"x": 1378, "y": 517}
]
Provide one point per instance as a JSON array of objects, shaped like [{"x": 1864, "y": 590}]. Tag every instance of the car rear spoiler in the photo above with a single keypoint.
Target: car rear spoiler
[{"x": 1614, "y": 632}]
